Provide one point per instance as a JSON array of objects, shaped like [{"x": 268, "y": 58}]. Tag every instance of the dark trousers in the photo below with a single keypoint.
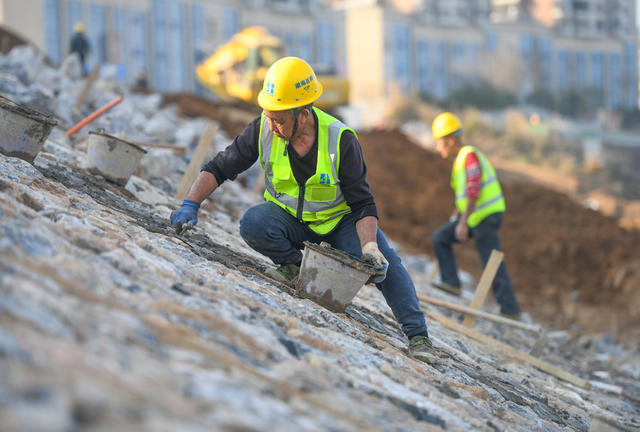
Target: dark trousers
[
  {"x": 486, "y": 238},
  {"x": 276, "y": 234}
]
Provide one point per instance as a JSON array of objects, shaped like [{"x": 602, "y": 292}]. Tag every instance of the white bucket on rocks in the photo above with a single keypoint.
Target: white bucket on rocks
[
  {"x": 113, "y": 158},
  {"x": 23, "y": 130},
  {"x": 331, "y": 277}
]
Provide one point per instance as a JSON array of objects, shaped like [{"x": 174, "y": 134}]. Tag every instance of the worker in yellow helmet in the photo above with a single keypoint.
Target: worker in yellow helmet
[
  {"x": 80, "y": 45},
  {"x": 316, "y": 190},
  {"x": 479, "y": 210}
]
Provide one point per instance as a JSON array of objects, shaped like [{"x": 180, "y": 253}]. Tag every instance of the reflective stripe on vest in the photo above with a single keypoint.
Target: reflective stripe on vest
[
  {"x": 490, "y": 200},
  {"x": 323, "y": 203}
]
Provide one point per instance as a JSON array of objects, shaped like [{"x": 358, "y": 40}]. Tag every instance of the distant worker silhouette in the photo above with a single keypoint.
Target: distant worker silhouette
[
  {"x": 479, "y": 209},
  {"x": 80, "y": 45}
]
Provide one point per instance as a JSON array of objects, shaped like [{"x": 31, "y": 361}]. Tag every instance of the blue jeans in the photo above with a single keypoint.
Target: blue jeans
[
  {"x": 486, "y": 238},
  {"x": 273, "y": 232}
]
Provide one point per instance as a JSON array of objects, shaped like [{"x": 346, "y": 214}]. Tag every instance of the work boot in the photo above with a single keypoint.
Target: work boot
[
  {"x": 285, "y": 273},
  {"x": 515, "y": 317},
  {"x": 421, "y": 348},
  {"x": 451, "y": 289}
]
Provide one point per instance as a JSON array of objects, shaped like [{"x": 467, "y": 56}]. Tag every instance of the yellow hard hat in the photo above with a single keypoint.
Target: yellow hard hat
[
  {"x": 289, "y": 83},
  {"x": 78, "y": 27},
  {"x": 446, "y": 124}
]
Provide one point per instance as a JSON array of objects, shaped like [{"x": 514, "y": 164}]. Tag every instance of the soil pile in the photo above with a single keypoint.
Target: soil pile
[{"x": 569, "y": 264}]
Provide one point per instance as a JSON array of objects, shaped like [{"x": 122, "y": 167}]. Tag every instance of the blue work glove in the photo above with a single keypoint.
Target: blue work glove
[
  {"x": 185, "y": 217},
  {"x": 372, "y": 255}
]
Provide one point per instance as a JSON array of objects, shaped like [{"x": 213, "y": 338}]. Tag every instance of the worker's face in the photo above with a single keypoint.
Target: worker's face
[
  {"x": 447, "y": 146},
  {"x": 280, "y": 123}
]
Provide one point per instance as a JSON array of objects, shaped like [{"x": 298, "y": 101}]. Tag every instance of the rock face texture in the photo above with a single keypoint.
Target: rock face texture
[{"x": 110, "y": 321}]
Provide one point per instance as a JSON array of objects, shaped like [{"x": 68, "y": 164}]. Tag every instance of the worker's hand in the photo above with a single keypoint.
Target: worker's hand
[
  {"x": 372, "y": 255},
  {"x": 185, "y": 216},
  {"x": 462, "y": 231}
]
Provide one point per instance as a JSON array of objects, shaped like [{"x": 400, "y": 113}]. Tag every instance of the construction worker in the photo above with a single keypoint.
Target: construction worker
[
  {"x": 80, "y": 45},
  {"x": 316, "y": 190},
  {"x": 478, "y": 214}
]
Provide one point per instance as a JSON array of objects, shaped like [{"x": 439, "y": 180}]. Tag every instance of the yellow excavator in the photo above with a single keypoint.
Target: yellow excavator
[{"x": 237, "y": 69}]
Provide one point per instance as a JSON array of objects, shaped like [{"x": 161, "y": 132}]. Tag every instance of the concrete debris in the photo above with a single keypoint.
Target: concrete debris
[{"x": 112, "y": 322}]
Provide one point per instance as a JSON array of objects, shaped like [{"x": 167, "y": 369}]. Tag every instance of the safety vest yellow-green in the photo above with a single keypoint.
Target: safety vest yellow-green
[
  {"x": 490, "y": 200},
  {"x": 319, "y": 202}
]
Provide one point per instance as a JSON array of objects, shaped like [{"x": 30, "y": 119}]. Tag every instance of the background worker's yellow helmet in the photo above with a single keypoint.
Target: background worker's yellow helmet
[
  {"x": 289, "y": 83},
  {"x": 446, "y": 124},
  {"x": 78, "y": 27}
]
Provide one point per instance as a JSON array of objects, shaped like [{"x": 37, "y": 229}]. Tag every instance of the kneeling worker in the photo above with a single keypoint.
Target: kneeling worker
[
  {"x": 316, "y": 190},
  {"x": 478, "y": 214}
]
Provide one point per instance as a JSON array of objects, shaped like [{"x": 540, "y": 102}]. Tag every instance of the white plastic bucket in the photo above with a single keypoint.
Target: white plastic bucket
[
  {"x": 331, "y": 277},
  {"x": 24, "y": 130},
  {"x": 113, "y": 158}
]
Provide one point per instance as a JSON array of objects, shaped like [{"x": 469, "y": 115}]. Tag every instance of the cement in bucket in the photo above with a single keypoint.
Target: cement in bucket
[
  {"x": 113, "y": 158},
  {"x": 331, "y": 277},
  {"x": 24, "y": 130}
]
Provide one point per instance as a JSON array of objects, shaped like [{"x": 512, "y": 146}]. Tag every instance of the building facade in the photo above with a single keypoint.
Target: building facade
[
  {"x": 168, "y": 38},
  {"x": 513, "y": 49}
]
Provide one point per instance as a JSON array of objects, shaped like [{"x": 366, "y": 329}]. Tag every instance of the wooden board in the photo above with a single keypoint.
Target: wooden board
[
  {"x": 486, "y": 280},
  {"x": 87, "y": 85},
  {"x": 197, "y": 160},
  {"x": 511, "y": 351},
  {"x": 481, "y": 314}
]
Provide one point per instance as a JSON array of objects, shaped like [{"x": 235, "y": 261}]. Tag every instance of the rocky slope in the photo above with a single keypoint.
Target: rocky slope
[{"x": 109, "y": 321}]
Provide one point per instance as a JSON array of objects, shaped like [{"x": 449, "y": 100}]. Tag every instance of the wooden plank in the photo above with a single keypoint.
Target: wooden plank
[
  {"x": 197, "y": 160},
  {"x": 483, "y": 287},
  {"x": 509, "y": 350},
  {"x": 177, "y": 149},
  {"x": 87, "y": 85},
  {"x": 481, "y": 314}
]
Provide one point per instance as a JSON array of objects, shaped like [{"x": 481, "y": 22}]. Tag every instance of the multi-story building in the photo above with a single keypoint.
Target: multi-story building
[
  {"x": 168, "y": 38},
  {"x": 515, "y": 51},
  {"x": 432, "y": 47}
]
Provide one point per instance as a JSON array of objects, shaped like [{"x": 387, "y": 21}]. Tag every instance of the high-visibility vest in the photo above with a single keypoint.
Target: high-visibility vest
[
  {"x": 319, "y": 202},
  {"x": 490, "y": 200}
]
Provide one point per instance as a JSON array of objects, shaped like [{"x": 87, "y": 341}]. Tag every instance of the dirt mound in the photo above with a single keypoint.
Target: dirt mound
[
  {"x": 569, "y": 264},
  {"x": 232, "y": 117}
]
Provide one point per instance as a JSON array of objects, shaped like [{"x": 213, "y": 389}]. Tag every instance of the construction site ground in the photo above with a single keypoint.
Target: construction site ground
[{"x": 572, "y": 267}]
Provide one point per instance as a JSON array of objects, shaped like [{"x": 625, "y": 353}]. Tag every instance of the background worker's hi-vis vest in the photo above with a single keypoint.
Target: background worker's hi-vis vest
[
  {"x": 319, "y": 202},
  {"x": 490, "y": 200}
]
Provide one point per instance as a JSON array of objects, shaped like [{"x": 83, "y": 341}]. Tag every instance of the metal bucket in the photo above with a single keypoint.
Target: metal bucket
[
  {"x": 331, "y": 277},
  {"x": 113, "y": 158},
  {"x": 23, "y": 130}
]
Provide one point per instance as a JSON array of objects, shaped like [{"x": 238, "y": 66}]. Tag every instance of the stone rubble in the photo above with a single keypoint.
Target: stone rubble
[{"x": 110, "y": 321}]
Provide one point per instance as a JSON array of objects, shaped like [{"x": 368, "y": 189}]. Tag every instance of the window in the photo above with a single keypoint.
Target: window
[
  {"x": 490, "y": 42},
  {"x": 615, "y": 76},
  {"x": 597, "y": 70},
  {"x": 581, "y": 70},
  {"x": 631, "y": 74},
  {"x": 138, "y": 43},
  {"x": 325, "y": 45},
  {"x": 424, "y": 74},
  {"x": 198, "y": 40},
  {"x": 401, "y": 55},
  {"x": 229, "y": 23},
  {"x": 97, "y": 32},
  {"x": 52, "y": 29},
  {"x": 160, "y": 55},
  {"x": 440, "y": 87},
  {"x": 175, "y": 42},
  {"x": 544, "y": 62},
  {"x": 562, "y": 70}
]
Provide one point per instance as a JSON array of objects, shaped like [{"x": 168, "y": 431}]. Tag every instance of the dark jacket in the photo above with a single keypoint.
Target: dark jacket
[{"x": 243, "y": 152}]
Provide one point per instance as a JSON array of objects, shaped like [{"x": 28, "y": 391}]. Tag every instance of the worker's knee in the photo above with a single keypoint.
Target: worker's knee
[{"x": 252, "y": 225}]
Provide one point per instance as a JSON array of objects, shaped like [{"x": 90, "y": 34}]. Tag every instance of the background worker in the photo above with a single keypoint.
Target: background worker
[
  {"x": 479, "y": 210},
  {"x": 316, "y": 190},
  {"x": 80, "y": 45}
]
